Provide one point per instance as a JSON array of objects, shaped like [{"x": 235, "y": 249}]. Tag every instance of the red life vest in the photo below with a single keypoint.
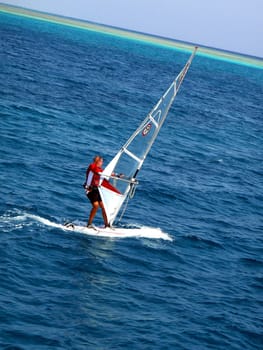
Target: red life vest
[{"x": 93, "y": 175}]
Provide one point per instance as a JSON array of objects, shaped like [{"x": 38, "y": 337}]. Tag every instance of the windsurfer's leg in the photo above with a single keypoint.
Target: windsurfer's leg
[
  {"x": 104, "y": 214},
  {"x": 93, "y": 212}
]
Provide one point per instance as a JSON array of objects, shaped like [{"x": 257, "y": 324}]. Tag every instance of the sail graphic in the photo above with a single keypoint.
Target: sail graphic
[{"x": 118, "y": 180}]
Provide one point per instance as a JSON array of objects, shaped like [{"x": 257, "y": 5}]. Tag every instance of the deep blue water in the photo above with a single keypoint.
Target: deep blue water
[{"x": 67, "y": 94}]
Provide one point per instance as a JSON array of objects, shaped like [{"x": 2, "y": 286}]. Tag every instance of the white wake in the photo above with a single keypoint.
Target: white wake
[{"x": 116, "y": 232}]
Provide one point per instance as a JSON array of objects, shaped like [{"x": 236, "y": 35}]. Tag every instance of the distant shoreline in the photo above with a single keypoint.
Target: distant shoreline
[{"x": 132, "y": 35}]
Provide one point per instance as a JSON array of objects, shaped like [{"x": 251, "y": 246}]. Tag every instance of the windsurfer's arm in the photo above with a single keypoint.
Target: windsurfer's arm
[
  {"x": 86, "y": 180},
  {"x": 89, "y": 176}
]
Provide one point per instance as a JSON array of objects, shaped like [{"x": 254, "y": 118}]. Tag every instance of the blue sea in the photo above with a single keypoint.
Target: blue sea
[{"x": 67, "y": 94}]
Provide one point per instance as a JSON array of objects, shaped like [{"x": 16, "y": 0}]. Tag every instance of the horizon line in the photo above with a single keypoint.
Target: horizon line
[{"x": 205, "y": 51}]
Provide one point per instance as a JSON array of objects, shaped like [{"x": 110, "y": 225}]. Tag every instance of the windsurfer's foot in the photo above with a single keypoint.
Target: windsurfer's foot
[
  {"x": 108, "y": 226},
  {"x": 91, "y": 226}
]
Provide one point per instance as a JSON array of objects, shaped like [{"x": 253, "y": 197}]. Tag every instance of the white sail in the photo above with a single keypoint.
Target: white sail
[{"x": 119, "y": 177}]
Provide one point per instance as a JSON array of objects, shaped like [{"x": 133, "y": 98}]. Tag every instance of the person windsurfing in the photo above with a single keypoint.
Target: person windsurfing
[{"x": 91, "y": 188}]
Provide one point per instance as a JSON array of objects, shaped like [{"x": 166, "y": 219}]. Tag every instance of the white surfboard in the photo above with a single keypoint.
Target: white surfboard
[{"x": 119, "y": 232}]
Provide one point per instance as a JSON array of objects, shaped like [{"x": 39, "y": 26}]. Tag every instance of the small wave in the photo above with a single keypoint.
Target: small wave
[
  {"x": 206, "y": 241},
  {"x": 251, "y": 261},
  {"x": 220, "y": 160},
  {"x": 258, "y": 283}
]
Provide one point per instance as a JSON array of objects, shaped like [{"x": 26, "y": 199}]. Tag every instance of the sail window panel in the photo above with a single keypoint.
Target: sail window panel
[
  {"x": 125, "y": 170},
  {"x": 143, "y": 139}
]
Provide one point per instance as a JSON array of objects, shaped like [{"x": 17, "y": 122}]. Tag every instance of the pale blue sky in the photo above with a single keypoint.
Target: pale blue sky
[{"x": 235, "y": 25}]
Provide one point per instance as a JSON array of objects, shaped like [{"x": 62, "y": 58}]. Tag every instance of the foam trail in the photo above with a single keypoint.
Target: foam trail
[{"x": 118, "y": 232}]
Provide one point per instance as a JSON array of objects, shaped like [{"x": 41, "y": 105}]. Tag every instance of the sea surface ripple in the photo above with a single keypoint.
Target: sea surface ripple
[{"x": 67, "y": 94}]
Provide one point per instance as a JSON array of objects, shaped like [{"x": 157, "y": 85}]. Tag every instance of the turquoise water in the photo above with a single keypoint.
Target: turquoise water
[{"x": 67, "y": 94}]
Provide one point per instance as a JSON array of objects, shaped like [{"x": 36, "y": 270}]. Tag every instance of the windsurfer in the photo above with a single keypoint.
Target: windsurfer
[{"x": 91, "y": 187}]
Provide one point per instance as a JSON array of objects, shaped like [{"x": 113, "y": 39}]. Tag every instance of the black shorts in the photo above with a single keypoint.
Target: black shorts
[{"x": 94, "y": 196}]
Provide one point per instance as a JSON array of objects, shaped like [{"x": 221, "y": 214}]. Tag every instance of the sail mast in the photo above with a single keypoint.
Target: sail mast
[
  {"x": 175, "y": 86},
  {"x": 129, "y": 160}
]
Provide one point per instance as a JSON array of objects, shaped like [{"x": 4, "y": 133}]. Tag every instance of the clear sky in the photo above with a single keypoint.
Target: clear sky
[{"x": 235, "y": 25}]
